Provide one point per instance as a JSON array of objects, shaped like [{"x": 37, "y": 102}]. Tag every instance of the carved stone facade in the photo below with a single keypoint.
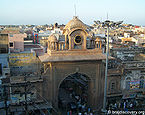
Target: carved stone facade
[
  {"x": 77, "y": 54},
  {"x": 134, "y": 72}
]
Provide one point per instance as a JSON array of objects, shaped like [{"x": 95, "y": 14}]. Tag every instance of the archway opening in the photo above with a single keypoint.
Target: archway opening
[{"x": 73, "y": 92}]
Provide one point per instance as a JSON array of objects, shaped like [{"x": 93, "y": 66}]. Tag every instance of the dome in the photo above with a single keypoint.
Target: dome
[
  {"x": 52, "y": 38},
  {"x": 75, "y": 23}
]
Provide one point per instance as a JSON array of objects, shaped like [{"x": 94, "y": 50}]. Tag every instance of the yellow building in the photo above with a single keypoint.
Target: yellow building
[
  {"x": 23, "y": 62},
  {"x": 129, "y": 40},
  {"x": 4, "y": 43}
]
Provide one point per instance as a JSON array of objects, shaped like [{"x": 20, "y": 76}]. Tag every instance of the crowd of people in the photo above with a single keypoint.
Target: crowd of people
[
  {"x": 80, "y": 110},
  {"x": 126, "y": 104},
  {"x": 77, "y": 104}
]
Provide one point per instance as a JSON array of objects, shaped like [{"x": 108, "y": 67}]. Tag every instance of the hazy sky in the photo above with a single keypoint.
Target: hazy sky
[{"x": 61, "y": 11}]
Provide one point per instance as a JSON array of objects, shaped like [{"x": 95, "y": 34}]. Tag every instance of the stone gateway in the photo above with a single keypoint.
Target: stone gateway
[{"x": 73, "y": 68}]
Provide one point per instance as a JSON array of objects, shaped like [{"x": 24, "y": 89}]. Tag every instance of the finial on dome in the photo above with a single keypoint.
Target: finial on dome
[{"x": 75, "y": 17}]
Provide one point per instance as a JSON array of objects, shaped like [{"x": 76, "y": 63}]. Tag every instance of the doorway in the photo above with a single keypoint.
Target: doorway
[{"x": 73, "y": 92}]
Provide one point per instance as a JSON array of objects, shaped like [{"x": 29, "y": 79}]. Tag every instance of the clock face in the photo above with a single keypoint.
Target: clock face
[{"x": 78, "y": 40}]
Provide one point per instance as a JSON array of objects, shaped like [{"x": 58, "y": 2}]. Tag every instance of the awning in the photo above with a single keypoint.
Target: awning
[
  {"x": 127, "y": 96},
  {"x": 114, "y": 95}
]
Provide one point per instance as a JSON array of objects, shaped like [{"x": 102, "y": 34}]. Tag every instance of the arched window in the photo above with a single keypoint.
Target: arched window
[
  {"x": 128, "y": 83},
  {"x": 141, "y": 85}
]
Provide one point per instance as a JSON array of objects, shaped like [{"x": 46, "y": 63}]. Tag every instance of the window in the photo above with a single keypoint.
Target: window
[
  {"x": 3, "y": 50},
  {"x": 112, "y": 86},
  {"x": 11, "y": 44},
  {"x": 78, "y": 40},
  {"x": 142, "y": 71},
  {"x": 6, "y": 74}
]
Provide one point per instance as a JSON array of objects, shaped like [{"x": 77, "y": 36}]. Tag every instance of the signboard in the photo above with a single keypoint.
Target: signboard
[
  {"x": 35, "y": 40},
  {"x": 134, "y": 84},
  {"x": 21, "y": 59},
  {"x": 126, "y": 96},
  {"x": 17, "y": 98}
]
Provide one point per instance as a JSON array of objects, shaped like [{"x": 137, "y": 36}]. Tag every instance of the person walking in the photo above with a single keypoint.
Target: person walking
[
  {"x": 89, "y": 110},
  {"x": 79, "y": 113},
  {"x": 124, "y": 105},
  {"x": 68, "y": 113},
  {"x": 83, "y": 107},
  {"x": 91, "y": 113}
]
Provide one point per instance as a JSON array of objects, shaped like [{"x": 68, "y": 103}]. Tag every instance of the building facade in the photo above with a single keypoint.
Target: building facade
[
  {"x": 73, "y": 67},
  {"x": 16, "y": 42},
  {"x": 4, "y": 43}
]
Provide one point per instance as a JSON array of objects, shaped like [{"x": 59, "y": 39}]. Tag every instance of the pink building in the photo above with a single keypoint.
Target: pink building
[{"x": 16, "y": 42}]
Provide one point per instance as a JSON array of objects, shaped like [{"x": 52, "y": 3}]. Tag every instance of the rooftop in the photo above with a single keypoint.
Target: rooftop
[{"x": 73, "y": 55}]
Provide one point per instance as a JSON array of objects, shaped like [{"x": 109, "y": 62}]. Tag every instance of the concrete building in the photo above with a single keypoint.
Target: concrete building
[
  {"x": 133, "y": 81},
  {"x": 127, "y": 35},
  {"x": 24, "y": 62},
  {"x": 10, "y": 30},
  {"x": 114, "y": 89},
  {"x": 26, "y": 88},
  {"x": 73, "y": 65},
  {"x": 14, "y": 39},
  {"x": 4, "y": 66},
  {"x": 126, "y": 53},
  {"x": 16, "y": 42},
  {"x": 4, "y": 43}
]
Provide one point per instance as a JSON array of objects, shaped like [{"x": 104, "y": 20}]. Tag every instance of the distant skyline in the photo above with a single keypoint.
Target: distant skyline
[{"x": 41, "y": 12}]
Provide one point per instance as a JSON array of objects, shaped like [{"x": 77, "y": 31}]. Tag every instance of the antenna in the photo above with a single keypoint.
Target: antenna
[
  {"x": 75, "y": 10},
  {"x": 107, "y": 15}
]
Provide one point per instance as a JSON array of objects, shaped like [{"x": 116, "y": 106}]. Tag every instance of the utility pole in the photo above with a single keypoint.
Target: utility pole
[
  {"x": 108, "y": 24},
  {"x": 106, "y": 70}
]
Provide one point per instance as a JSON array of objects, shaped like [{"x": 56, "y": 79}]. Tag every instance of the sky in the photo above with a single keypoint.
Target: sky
[{"x": 61, "y": 11}]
